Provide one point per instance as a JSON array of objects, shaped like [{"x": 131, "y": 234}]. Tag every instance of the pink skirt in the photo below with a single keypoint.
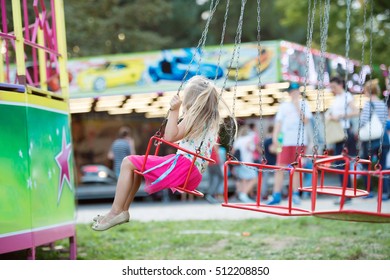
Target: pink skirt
[{"x": 162, "y": 172}]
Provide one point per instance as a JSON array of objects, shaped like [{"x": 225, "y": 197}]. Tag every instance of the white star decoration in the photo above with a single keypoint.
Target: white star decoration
[{"x": 62, "y": 160}]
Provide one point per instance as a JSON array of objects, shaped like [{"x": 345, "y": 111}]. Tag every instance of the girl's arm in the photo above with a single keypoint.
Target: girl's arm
[{"x": 173, "y": 130}]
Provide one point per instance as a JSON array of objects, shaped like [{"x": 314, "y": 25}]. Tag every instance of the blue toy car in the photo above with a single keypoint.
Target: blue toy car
[{"x": 174, "y": 68}]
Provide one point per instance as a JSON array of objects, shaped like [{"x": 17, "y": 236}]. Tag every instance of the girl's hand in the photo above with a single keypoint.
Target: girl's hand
[{"x": 175, "y": 103}]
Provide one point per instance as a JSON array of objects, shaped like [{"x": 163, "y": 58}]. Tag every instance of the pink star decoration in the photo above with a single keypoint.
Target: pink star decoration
[{"x": 62, "y": 160}]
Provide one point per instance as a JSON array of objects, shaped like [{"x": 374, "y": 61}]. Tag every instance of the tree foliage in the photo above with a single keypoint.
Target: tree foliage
[
  {"x": 297, "y": 14},
  {"x": 96, "y": 27}
]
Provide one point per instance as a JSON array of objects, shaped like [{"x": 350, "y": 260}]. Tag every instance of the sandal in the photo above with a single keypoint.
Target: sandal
[
  {"x": 98, "y": 218},
  {"x": 121, "y": 218}
]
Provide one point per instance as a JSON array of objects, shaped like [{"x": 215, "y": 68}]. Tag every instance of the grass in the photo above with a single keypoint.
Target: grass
[{"x": 305, "y": 238}]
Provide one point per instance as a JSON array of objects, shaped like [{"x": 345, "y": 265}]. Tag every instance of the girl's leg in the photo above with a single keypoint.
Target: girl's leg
[
  {"x": 136, "y": 184},
  {"x": 123, "y": 191}
]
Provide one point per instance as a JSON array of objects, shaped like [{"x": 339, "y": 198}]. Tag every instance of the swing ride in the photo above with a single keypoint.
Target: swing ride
[{"x": 323, "y": 165}]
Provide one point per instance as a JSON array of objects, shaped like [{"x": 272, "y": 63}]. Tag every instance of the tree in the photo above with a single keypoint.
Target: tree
[{"x": 296, "y": 16}]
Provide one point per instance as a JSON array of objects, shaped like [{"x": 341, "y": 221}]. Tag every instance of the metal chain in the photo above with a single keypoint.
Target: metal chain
[
  {"x": 387, "y": 96},
  {"x": 361, "y": 74},
  {"x": 347, "y": 47},
  {"x": 371, "y": 72},
  {"x": 324, "y": 26},
  {"x": 200, "y": 43},
  {"x": 261, "y": 133},
  {"x": 222, "y": 39},
  {"x": 309, "y": 38},
  {"x": 236, "y": 49},
  {"x": 212, "y": 11},
  {"x": 237, "y": 55},
  {"x": 320, "y": 83}
]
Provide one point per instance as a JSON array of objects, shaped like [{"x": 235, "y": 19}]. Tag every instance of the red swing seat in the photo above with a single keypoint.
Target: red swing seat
[
  {"x": 157, "y": 142},
  {"x": 360, "y": 215},
  {"x": 258, "y": 206},
  {"x": 321, "y": 163}
]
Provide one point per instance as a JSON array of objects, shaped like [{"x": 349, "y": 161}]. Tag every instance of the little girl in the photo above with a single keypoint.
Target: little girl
[{"x": 198, "y": 128}]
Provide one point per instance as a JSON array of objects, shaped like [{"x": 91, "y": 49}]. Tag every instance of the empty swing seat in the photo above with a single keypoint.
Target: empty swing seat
[
  {"x": 322, "y": 166},
  {"x": 157, "y": 142},
  {"x": 354, "y": 216},
  {"x": 358, "y": 212},
  {"x": 258, "y": 206}
]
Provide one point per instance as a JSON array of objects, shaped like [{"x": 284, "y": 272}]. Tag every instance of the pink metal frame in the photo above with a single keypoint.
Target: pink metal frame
[
  {"x": 157, "y": 142},
  {"x": 44, "y": 19},
  {"x": 39, "y": 237}
]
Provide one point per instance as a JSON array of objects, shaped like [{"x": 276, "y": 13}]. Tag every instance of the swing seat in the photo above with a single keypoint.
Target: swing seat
[
  {"x": 354, "y": 216},
  {"x": 360, "y": 215},
  {"x": 322, "y": 164},
  {"x": 157, "y": 143},
  {"x": 258, "y": 206}
]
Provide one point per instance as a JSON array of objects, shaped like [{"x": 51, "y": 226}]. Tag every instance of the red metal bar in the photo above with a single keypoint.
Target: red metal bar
[
  {"x": 189, "y": 173},
  {"x": 259, "y": 184},
  {"x": 174, "y": 145},
  {"x": 290, "y": 189},
  {"x": 257, "y": 206},
  {"x": 147, "y": 154},
  {"x": 380, "y": 190},
  {"x": 225, "y": 182},
  {"x": 196, "y": 155}
]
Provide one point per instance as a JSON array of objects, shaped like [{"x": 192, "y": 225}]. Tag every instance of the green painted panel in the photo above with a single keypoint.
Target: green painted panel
[
  {"x": 15, "y": 185},
  {"x": 34, "y": 192},
  {"x": 52, "y": 199}
]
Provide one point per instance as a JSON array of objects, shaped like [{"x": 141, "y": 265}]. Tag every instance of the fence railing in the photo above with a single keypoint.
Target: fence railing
[{"x": 33, "y": 45}]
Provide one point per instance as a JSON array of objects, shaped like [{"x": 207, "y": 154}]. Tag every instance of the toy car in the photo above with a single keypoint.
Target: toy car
[
  {"x": 111, "y": 74},
  {"x": 175, "y": 67},
  {"x": 248, "y": 67}
]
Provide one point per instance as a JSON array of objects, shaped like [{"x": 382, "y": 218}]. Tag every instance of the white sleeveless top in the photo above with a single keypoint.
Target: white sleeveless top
[{"x": 205, "y": 150}]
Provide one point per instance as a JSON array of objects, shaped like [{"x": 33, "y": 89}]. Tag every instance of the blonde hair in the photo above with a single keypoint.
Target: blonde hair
[
  {"x": 200, "y": 103},
  {"x": 372, "y": 87}
]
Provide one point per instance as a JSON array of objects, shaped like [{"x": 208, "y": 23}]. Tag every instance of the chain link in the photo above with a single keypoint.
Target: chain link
[
  {"x": 259, "y": 85},
  {"x": 309, "y": 38},
  {"x": 199, "y": 48},
  {"x": 324, "y": 25},
  {"x": 201, "y": 43},
  {"x": 222, "y": 39},
  {"x": 212, "y": 12},
  {"x": 235, "y": 54},
  {"x": 361, "y": 74},
  {"x": 347, "y": 47}
]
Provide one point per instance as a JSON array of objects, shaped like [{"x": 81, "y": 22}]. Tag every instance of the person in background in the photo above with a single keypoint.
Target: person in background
[
  {"x": 372, "y": 148},
  {"x": 246, "y": 177},
  {"x": 286, "y": 130},
  {"x": 256, "y": 141},
  {"x": 122, "y": 147},
  {"x": 215, "y": 190},
  {"x": 342, "y": 110},
  {"x": 270, "y": 156}
]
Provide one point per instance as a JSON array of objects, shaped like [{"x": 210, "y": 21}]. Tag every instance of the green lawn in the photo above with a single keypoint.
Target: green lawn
[{"x": 305, "y": 238}]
